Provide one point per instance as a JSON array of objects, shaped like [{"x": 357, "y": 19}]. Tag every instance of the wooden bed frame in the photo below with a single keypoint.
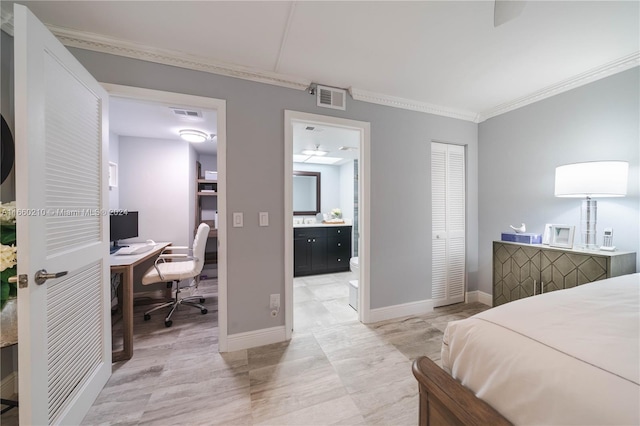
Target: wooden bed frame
[{"x": 444, "y": 401}]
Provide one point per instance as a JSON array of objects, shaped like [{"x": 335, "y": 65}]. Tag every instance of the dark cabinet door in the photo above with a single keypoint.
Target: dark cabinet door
[
  {"x": 319, "y": 250},
  {"x": 301, "y": 256},
  {"x": 318, "y": 254}
]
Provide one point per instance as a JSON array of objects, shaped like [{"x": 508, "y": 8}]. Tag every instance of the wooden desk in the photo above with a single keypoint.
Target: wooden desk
[{"x": 124, "y": 264}]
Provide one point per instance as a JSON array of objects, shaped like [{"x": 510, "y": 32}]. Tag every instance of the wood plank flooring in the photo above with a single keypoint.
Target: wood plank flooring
[{"x": 335, "y": 370}]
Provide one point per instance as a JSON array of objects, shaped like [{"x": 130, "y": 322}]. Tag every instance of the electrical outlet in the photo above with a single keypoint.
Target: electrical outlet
[{"x": 274, "y": 301}]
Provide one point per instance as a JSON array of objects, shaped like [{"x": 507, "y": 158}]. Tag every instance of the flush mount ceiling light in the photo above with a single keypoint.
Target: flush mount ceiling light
[
  {"x": 316, "y": 151},
  {"x": 195, "y": 136}
]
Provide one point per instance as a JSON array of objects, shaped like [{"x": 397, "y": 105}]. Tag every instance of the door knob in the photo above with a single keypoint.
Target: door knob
[{"x": 42, "y": 276}]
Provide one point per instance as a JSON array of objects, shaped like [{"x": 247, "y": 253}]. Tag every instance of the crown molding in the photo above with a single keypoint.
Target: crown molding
[
  {"x": 99, "y": 43},
  {"x": 606, "y": 70},
  {"x": 410, "y": 104}
]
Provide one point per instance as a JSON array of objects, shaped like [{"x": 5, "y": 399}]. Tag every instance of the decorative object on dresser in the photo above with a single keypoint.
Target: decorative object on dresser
[
  {"x": 523, "y": 270},
  {"x": 519, "y": 230},
  {"x": 562, "y": 236},
  {"x": 321, "y": 249},
  {"x": 591, "y": 179},
  {"x": 527, "y": 237}
]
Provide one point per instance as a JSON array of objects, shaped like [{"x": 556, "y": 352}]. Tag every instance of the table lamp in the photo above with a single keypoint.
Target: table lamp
[{"x": 591, "y": 179}]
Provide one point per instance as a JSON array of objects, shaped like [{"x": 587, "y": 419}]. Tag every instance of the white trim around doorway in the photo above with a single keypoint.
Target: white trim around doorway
[
  {"x": 220, "y": 106},
  {"x": 290, "y": 117}
]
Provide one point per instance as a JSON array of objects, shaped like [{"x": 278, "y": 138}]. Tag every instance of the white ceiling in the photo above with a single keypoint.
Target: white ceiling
[
  {"x": 143, "y": 119},
  {"x": 443, "y": 57}
]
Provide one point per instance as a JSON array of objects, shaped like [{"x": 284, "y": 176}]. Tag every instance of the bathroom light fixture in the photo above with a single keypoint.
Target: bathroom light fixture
[
  {"x": 592, "y": 179},
  {"x": 316, "y": 151},
  {"x": 195, "y": 136}
]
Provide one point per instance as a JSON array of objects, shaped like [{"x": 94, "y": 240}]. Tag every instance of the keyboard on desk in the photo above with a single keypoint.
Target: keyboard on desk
[{"x": 134, "y": 249}]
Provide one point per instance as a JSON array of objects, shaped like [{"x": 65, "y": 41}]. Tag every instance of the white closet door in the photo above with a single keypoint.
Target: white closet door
[
  {"x": 64, "y": 324},
  {"x": 448, "y": 223}
]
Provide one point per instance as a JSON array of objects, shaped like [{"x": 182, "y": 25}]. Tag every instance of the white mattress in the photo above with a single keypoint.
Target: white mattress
[{"x": 565, "y": 357}]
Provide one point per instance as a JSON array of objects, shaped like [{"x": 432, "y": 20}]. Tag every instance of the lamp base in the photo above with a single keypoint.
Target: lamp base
[{"x": 588, "y": 217}]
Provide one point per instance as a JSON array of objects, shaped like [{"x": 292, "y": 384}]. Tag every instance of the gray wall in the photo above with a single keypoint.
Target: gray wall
[
  {"x": 520, "y": 150},
  {"x": 114, "y": 157},
  {"x": 400, "y": 182}
]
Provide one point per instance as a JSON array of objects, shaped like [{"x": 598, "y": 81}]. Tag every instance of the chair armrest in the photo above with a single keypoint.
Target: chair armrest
[{"x": 174, "y": 256}]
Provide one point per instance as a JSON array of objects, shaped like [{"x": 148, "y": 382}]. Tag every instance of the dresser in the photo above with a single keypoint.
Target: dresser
[
  {"x": 321, "y": 249},
  {"x": 523, "y": 270}
]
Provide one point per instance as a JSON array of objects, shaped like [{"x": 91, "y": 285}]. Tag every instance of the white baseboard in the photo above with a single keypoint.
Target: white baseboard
[
  {"x": 403, "y": 310},
  {"x": 251, "y": 339},
  {"x": 479, "y": 296},
  {"x": 9, "y": 386}
]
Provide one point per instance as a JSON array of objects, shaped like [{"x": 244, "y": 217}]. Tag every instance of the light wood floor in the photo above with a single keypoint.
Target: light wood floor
[{"x": 335, "y": 370}]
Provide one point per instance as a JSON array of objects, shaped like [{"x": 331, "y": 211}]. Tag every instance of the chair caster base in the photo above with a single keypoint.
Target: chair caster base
[
  {"x": 168, "y": 323},
  {"x": 203, "y": 311},
  {"x": 147, "y": 317},
  {"x": 202, "y": 300}
]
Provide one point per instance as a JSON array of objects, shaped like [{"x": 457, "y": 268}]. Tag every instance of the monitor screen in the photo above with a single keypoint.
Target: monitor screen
[{"x": 123, "y": 226}]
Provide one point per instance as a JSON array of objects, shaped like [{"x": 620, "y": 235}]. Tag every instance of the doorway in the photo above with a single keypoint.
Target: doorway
[
  {"x": 361, "y": 217},
  {"x": 219, "y": 106}
]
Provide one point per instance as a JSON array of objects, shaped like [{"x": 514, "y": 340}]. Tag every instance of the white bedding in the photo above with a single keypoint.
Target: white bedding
[{"x": 565, "y": 357}]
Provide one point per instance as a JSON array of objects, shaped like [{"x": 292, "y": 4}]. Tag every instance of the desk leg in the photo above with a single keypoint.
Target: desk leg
[{"x": 127, "y": 317}]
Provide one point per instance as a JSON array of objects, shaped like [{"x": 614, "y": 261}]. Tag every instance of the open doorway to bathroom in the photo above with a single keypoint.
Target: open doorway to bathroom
[{"x": 326, "y": 194}]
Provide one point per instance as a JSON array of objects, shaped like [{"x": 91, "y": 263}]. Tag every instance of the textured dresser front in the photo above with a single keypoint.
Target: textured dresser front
[{"x": 523, "y": 270}]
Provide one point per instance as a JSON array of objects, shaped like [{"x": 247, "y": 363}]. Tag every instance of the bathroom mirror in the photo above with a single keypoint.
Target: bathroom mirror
[{"x": 306, "y": 193}]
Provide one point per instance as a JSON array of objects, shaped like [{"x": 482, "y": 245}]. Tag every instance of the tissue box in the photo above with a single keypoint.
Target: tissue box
[
  {"x": 525, "y": 237},
  {"x": 211, "y": 175}
]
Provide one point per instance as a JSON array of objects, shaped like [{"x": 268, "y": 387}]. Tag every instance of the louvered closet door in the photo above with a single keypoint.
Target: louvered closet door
[
  {"x": 64, "y": 328},
  {"x": 448, "y": 223}
]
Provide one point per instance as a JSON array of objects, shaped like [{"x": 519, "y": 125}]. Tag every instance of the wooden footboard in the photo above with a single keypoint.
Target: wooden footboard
[{"x": 444, "y": 401}]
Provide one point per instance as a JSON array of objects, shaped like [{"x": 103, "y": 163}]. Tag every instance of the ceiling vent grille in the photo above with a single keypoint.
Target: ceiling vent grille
[
  {"x": 330, "y": 97},
  {"x": 187, "y": 113}
]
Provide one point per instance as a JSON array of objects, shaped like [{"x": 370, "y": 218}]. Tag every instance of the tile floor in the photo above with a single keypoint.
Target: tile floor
[{"x": 335, "y": 370}]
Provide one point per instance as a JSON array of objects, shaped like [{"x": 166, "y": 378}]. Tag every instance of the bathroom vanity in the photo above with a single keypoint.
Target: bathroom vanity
[{"x": 321, "y": 249}]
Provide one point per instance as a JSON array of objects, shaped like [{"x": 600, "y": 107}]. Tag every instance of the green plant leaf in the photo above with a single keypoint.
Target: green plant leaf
[
  {"x": 7, "y": 234},
  {"x": 5, "y": 291},
  {"x": 8, "y": 273}
]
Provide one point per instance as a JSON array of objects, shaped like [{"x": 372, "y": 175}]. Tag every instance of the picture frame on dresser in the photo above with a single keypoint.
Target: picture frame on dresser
[{"x": 562, "y": 236}]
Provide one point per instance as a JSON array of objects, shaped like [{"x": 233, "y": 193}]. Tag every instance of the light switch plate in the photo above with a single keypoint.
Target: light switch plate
[
  {"x": 263, "y": 218},
  {"x": 238, "y": 220}
]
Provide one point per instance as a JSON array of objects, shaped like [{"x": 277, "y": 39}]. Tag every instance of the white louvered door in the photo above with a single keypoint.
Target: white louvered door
[
  {"x": 64, "y": 338},
  {"x": 448, "y": 223}
]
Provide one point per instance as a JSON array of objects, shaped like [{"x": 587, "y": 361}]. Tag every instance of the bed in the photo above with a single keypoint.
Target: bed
[{"x": 565, "y": 357}]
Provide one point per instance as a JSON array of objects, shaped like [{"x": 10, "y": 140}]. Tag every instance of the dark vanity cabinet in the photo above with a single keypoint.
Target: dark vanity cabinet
[{"x": 321, "y": 249}]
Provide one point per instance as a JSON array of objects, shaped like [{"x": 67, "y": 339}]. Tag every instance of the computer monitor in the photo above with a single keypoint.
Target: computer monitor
[{"x": 122, "y": 226}]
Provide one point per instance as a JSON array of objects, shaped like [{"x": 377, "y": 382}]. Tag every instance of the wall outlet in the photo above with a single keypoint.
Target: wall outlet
[{"x": 274, "y": 301}]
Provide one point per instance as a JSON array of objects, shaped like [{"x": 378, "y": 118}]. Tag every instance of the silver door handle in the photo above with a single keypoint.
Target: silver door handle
[
  {"x": 534, "y": 287},
  {"x": 42, "y": 276}
]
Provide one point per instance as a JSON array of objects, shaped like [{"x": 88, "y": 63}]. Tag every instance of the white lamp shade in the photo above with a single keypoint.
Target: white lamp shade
[{"x": 592, "y": 179}]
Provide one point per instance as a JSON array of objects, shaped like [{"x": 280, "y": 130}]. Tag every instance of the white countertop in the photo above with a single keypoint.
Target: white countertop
[{"x": 319, "y": 225}]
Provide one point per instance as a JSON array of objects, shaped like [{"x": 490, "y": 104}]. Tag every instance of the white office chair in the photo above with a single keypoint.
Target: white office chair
[{"x": 182, "y": 266}]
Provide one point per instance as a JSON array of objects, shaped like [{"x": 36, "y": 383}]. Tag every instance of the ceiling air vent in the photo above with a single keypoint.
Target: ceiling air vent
[
  {"x": 330, "y": 97},
  {"x": 181, "y": 112}
]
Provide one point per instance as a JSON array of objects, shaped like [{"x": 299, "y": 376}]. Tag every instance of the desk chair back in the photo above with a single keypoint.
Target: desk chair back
[
  {"x": 182, "y": 266},
  {"x": 199, "y": 245}
]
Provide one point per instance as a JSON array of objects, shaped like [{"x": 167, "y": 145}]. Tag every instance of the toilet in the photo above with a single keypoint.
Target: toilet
[{"x": 353, "y": 284}]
